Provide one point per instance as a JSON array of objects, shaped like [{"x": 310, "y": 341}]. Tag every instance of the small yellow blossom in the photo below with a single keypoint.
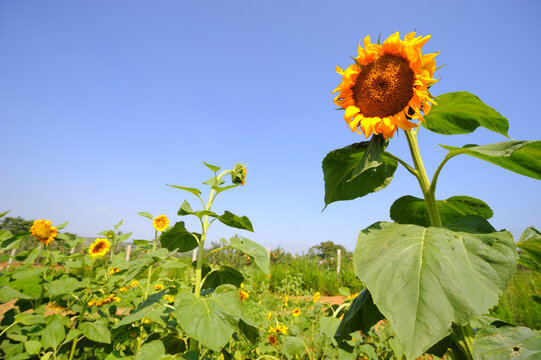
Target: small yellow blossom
[
  {"x": 269, "y": 315},
  {"x": 169, "y": 298},
  {"x": 160, "y": 223},
  {"x": 158, "y": 287},
  {"x": 99, "y": 247},
  {"x": 113, "y": 270},
  {"x": 316, "y": 296},
  {"x": 272, "y": 340},
  {"x": 296, "y": 312},
  {"x": 244, "y": 294},
  {"x": 43, "y": 231},
  {"x": 104, "y": 301},
  {"x": 286, "y": 298}
]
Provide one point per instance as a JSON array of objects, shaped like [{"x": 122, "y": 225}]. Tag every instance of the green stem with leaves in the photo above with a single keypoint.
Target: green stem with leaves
[{"x": 462, "y": 335}]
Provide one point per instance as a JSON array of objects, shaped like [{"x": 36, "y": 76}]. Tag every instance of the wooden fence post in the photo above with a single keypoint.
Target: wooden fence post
[
  {"x": 338, "y": 260},
  {"x": 11, "y": 257},
  {"x": 128, "y": 252}
]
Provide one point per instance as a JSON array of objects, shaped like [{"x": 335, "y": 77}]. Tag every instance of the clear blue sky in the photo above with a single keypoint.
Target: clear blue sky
[{"x": 102, "y": 103}]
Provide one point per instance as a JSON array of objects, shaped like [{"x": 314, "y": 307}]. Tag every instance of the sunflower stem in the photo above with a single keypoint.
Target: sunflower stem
[
  {"x": 150, "y": 268},
  {"x": 428, "y": 194}
]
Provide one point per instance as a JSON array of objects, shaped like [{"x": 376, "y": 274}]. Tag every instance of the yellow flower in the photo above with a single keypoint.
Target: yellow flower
[
  {"x": 99, "y": 247},
  {"x": 134, "y": 283},
  {"x": 169, "y": 298},
  {"x": 160, "y": 223},
  {"x": 269, "y": 315},
  {"x": 296, "y": 312},
  {"x": 387, "y": 86},
  {"x": 286, "y": 298},
  {"x": 158, "y": 287},
  {"x": 316, "y": 296},
  {"x": 43, "y": 231},
  {"x": 282, "y": 328},
  {"x": 104, "y": 301},
  {"x": 113, "y": 270},
  {"x": 244, "y": 294},
  {"x": 272, "y": 339}
]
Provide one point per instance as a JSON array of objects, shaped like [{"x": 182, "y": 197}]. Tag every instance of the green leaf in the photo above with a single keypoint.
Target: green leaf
[
  {"x": 8, "y": 294},
  {"x": 29, "y": 319},
  {"x": 27, "y": 271},
  {"x": 96, "y": 331},
  {"x": 5, "y": 235},
  {"x": 178, "y": 238},
  {"x": 425, "y": 279},
  {"x": 293, "y": 346},
  {"x": 32, "y": 347},
  {"x": 361, "y": 315},
  {"x": 185, "y": 209},
  {"x": 118, "y": 225},
  {"x": 254, "y": 250},
  {"x": 522, "y": 157},
  {"x": 235, "y": 221},
  {"x": 214, "y": 182},
  {"x": 411, "y": 210},
  {"x": 212, "y": 167},
  {"x": 530, "y": 243},
  {"x": 248, "y": 328},
  {"x": 133, "y": 317},
  {"x": 461, "y": 113},
  {"x": 147, "y": 215},
  {"x": 62, "y": 226},
  {"x": 65, "y": 285},
  {"x": 153, "y": 350},
  {"x": 188, "y": 189},
  {"x": 2, "y": 214},
  {"x": 54, "y": 332},
  {"x": 339, "y": 166},
  {"x": 222, "y": 275},
  {"x": 210, "y": 320},
  {"x": 473, "y": 224},
  {"x": 372, "y": 156},
  {"x": 507, "y": 342},
  {"x": 328, "y": 325}
]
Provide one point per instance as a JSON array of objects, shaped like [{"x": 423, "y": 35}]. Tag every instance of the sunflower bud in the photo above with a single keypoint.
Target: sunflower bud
[{"x": 238, "y": 174}]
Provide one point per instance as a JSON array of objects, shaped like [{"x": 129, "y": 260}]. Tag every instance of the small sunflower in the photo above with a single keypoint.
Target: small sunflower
[
  {"x": 43, "y": 231},
  {"x": 243, "y": 295},
  {"x": 238, "y": 174},
  {"x": 99, "y": 247},
  {"x": 113, "y": 270},
  {"x": 158, "y": 287},
  {"x": 387, "y": 86},
  {"x": 160, "y": 223},
  {"x": 317, "y": 295},
  {"x": 296, "y": 312},
  {"x": 272, "y": 340}
]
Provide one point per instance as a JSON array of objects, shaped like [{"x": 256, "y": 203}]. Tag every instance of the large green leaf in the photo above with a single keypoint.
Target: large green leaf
[
  {"x": 65, "y": 285},
  {"x": 522, "y": 157},
  {"x": 222, "y": 275},
  {"x": 153, "y": 350},
  {"x": 461, "y": 113},
  {"x": 424, "y": 279},
  {"x": 411, "y": 210},
  {"x": 339, "y": 166},
  {"x": 507, "y": 342},
  {"x": 235, "y": 221},
  {"x": 210, "y": 320},
  {"x": 530, "y": 243},
  {"x": 96, "y": 331},
  {"x": 253, "y": 249},
  {"x": 54, "y": 332},
  {"x": 361, "y": 315},
  {"x": 178, "y": 238}
]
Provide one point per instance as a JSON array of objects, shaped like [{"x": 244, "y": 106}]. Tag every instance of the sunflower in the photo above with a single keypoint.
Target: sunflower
[
  {"x": 243, "y": 295},
  {"x": 316, "y": 297},
  {"x": 160, "y": 223},
  {"x": 272, "y": 340},
  {"x": 43, "y": 231},
  {"x": 238, "y": 174},
  {"x": 296, "y": 312},
  {"x": 99, "y": 247},
  {"x": 158, "y": 287},
  {"x": 387, "y": 86}
]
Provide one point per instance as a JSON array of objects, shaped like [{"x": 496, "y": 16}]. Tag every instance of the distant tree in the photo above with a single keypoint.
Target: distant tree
[
  {"x": 327, "y": 250},
  {"x": 16, "y": 225}
]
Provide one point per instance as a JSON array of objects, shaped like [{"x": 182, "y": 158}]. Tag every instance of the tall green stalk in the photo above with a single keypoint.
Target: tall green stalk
[{"x": 462, "y": 335}]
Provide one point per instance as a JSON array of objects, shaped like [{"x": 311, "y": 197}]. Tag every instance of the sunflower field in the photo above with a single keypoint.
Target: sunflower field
[{"x": 438, "y": 282}]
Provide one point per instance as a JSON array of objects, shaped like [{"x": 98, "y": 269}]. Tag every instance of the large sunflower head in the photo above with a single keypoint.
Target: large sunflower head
[
  {"x": 43, "y": 231},
  {"x": 99, "y": 247},
  {"x": 387, "y": 86}
]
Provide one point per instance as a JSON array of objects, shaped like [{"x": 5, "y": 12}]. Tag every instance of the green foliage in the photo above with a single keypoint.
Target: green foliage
[
  {"x": 461, "y": 113},
  {"x": 457, "y": 276},
  {"x": 340, "y": 169},
  {"x": 507, "y": 342},
  {"x": 411, "y": 210}
]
